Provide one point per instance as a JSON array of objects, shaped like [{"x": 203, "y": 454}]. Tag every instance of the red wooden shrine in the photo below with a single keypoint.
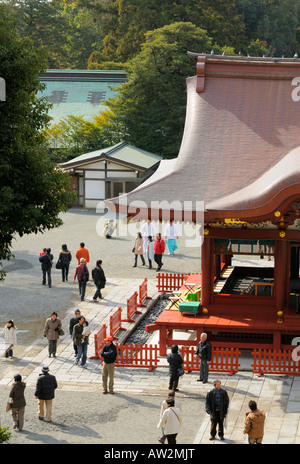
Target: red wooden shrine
[{"x": 240, "y": 156}]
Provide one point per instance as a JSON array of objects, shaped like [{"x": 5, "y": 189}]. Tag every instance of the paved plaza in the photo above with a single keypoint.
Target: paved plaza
[{"x": 81, "y": 413}]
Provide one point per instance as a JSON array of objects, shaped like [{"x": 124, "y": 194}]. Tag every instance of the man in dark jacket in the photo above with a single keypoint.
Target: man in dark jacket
[
  {"x": 204, "y": 352},
  {"x": 73, "y": 322},
  {"x": 109, "y": 356},
  {"x": 216, "y": 405},
  {"x": 99, "y": 279},
  {"x": 175, "y": 362},
  {"x": 46, "y": 265},
  {"x": 44, "y": 392}
]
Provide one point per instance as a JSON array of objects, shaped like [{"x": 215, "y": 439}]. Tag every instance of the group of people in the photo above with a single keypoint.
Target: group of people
[
  {"x": 81, "y": 271},
  {"x": 216, "y": 401},
  {"x": 151, "y": 244},
  {"x": 44, "y": 392}
]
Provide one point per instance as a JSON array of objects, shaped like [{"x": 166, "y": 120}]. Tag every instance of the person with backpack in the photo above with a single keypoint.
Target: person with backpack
[
  {"x": 82, "y": 274},
  {"x": 46, "y": 261},
  {"x": 99, "y": 279},
  {"x": 64, "y": 260}
]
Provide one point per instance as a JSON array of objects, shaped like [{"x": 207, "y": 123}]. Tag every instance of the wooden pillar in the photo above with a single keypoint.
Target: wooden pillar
[
  {"x": 294, "y": 262},
  {"x": 282, "y": 260},
  {"x": 206, "y": 271},
  {"x": 217, "y": 265}
]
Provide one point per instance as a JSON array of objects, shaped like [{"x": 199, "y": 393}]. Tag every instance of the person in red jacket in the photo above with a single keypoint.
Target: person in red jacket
[{"x": 159, "y": 249}]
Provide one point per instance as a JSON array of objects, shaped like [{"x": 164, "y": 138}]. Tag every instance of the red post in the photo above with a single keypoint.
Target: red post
[
  {"x": 99, "y": 341},
  {"x": 143, "y": 290},
  {"x": 115, "y": 323},
  {"x": 131, "y": 308}
]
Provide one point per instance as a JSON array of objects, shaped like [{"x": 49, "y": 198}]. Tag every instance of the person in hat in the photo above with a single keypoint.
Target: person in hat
[
  {"x": 109, "y": 356},
  {"x": 45, "y": 392},
  {"x": 18, "y": 402}
]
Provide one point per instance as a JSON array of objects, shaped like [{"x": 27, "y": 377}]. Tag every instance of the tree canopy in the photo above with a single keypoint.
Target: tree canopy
[{"x": 33, "y": 191}]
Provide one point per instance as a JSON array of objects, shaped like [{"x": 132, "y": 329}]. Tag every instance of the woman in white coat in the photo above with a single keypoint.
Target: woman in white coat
[
  {"x": 171, "y": 420},
  {"x": 10, "y": 336}
]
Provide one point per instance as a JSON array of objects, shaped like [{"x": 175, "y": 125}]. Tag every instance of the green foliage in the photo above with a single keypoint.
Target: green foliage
[
  {"x": 32, "y": 190},
  {"x": 5, "y": 435},
  {"x": 150, "y": 108}
]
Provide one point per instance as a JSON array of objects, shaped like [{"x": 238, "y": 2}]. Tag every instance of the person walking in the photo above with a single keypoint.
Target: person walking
[
  {"x": 148, "y": 228},
  {"x": 216, "y": 405},
  {"x": 175, "y": 361},
  {"x": 46, "y": 261},
  {"x": 138, "y": 249},
  {"x": 164, "y": 405},
  {"x": 99, "y": 279},
  {"x": 150, "y": 251},
  {"x": 204, "y": 353},
  {"x": 254, "y": 424},
  {"x": 159, "y": 249},
  {"x": 82, "y": 274},
  {"x": 82, "y": 252},
  {"x": 10, "y": 337},
  {"x": 65, "y": 257},
  {"x": 52, "y": 329},
  {"x": 73, "y": 321},
  {"x": 171, "y": 421},
  {"x": 45, "y": 393},
  {"x": 78, "y": 339},
  {"x": 171, "y": 233},
  {"x": 18, "y": 402},
  {"x": 109, "y": 356},
  {"x": 82, "y": 348}
]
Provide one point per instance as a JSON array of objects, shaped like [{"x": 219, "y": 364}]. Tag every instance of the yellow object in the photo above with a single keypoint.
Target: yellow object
[
  {"x": 204, "y": 311},
  {"x": 280, "y": 314}
]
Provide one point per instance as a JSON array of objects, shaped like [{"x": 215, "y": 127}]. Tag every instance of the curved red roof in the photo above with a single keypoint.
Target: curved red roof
[{"x": 240, "y": 151}]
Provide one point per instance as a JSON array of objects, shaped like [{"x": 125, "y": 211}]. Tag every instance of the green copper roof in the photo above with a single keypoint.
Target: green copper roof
[
  {"x": 79, "y": 93},
  {"x": 121, "y": 152}
]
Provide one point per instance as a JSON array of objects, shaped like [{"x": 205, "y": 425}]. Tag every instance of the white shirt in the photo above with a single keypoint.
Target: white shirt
[
  {"x": 171, "y": 231},
  {"x": 171, "y": 420},
  {"x": 148, "y": 229}
]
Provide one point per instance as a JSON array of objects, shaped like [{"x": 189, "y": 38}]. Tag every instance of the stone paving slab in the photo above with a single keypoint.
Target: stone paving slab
[{"x": 278, "y": 395}]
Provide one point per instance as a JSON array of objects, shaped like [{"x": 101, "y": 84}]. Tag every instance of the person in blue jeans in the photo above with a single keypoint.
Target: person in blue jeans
[{"x": 83, "y": 347}]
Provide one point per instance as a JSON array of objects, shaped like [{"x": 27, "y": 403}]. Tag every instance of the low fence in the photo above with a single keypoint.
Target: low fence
[
  {"x": 99, "y": 338},
  {"x": 274, "y": 362},
  {"x": 132, "y": 308},
  {"x": 170, "y": 282},
  {"x": 116, "y": 323},
  {"x": 222, "y": 359},
  {"x": 137, "y": 355},
  {"x": 143, "y": 293}
]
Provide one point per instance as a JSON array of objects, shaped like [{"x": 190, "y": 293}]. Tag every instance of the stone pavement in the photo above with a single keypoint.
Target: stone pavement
[{"x": 278, "y": 395}]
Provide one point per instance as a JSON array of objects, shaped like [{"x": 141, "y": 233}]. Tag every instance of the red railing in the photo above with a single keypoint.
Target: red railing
[
  {"x": 115, "y": 323},
  {"x": 222, "y": 359},
  {"x": 131, "y": 308},
  {"x": 143, "y": 293},
  {"x": 99, "y": 341},
  {"x": 136, "y": 355},
  {"x": 170, "y": 282},
  {"x": 268, "y": 361}
]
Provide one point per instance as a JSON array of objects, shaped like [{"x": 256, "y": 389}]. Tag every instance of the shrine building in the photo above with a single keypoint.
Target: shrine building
[{"x": 239, "y": 162}]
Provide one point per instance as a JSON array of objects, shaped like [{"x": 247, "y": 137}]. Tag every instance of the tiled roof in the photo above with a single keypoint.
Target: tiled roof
[
  {"x": 240, "y": 151},
  {"x": 121, "y": 152},
  {"x": 79, "y": 93}
]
